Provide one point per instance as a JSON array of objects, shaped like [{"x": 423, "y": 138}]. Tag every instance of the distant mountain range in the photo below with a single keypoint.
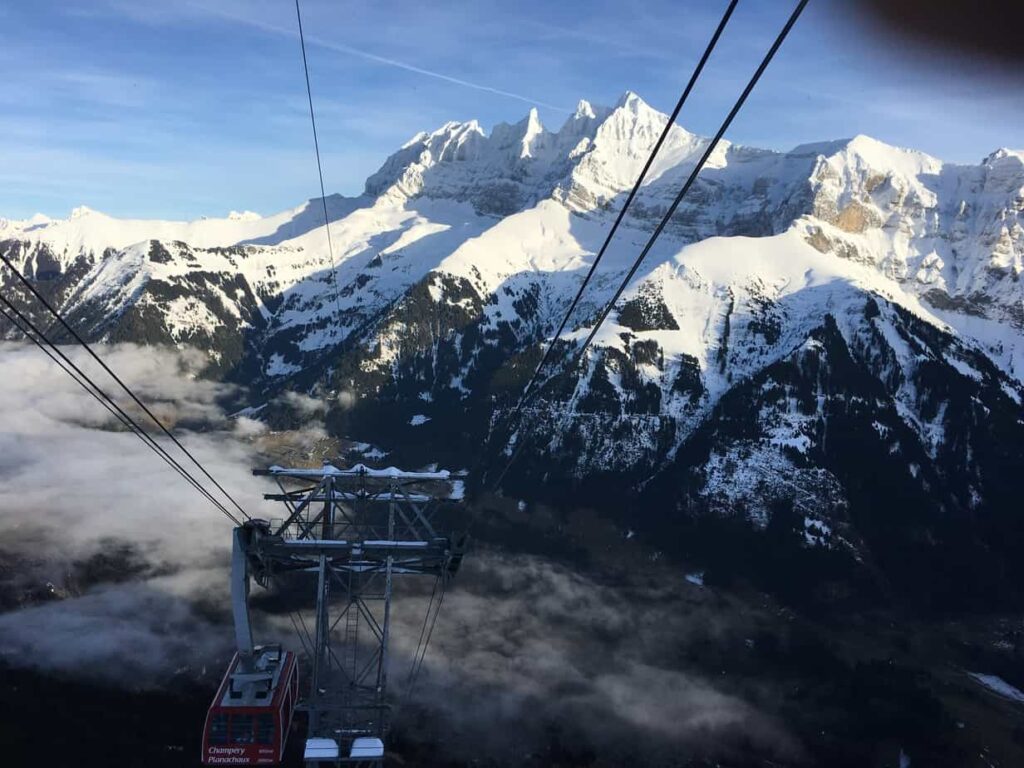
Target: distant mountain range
[{"x": 830, "y": 338}]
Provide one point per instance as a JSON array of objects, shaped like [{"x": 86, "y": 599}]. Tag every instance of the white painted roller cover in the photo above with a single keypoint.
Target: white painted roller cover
[
  {"x": 321, "y": 749},
  {"x": 366, "y": 747}
]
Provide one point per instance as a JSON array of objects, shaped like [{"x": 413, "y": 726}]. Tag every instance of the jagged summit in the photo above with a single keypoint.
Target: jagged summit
[
  {"x": 631, "y": 101},
  {"x": 519, "y": 164},
  {"x": 583, "y": 110},
  {"x": 1005, "y": 153},
  {"x": 533, "y": 133},
  {"x": 524, "y": 202},
  {"x": 82, "y": 211}
]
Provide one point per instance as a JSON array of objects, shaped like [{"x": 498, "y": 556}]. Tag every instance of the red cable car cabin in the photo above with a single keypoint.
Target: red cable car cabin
[{"x": 250, "y": 717}]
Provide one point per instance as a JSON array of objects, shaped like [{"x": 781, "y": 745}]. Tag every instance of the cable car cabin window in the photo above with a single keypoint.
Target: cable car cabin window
[
  {"x": 265, "y": 728},
  {"x": 241, "y": 729},
  {"x": 219, "y": 729}
]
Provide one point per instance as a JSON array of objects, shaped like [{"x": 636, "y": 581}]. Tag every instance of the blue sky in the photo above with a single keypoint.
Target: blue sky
[{"x": 175, "y": 110}]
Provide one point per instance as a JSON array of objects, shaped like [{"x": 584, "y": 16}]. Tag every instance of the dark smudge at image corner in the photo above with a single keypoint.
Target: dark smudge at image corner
[{"x": 985, "y": 31}]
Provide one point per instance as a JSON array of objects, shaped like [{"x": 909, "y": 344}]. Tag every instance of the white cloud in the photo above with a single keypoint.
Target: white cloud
[
  {"x": 524, "y": 644},
  {"x": 138, "y": 563},
  {"x": 73, "y": 491}
]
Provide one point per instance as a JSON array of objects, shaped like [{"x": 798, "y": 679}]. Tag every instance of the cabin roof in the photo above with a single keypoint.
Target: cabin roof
[{"x": 255, "y": 684}]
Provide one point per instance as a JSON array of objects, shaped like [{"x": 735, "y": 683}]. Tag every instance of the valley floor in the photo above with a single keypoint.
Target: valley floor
[{"x": 839, "y": 689}]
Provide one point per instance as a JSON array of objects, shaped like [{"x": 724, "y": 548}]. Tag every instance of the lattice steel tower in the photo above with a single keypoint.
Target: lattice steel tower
[{"x": 356, "y": 530}]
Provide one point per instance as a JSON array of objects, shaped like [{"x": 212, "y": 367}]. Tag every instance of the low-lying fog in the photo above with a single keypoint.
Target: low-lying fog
[{"x": 114, "y": 569}]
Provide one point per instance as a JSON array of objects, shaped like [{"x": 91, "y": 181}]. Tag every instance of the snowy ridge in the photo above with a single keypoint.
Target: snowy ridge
[
  {"x": 827, "y": 343},
  {"x": 493, "y": 231}
]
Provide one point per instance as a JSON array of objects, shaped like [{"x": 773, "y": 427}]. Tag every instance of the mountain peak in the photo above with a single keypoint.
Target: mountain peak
[
  {"x": 582, "y": 120},
  {"x": 1005, "y": 153},
  {"x": 873, "y": 153},
  {"x": 584, "y": 110},
  {"x": 631, "y": 101},
  {"x": 419, "y": 138},
  {"x": 534, "y": 128},
  {"x": 81, "y": 211},
  {"x": 450, "y": 128}
]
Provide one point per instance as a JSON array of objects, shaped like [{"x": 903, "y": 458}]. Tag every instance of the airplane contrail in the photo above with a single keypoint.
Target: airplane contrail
[{"x": 370, "y": 56}]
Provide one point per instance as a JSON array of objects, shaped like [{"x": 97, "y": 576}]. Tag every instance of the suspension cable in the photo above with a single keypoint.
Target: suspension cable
[
  {"x": 39, "y": 338},
  {"x": 319, "y": 166},
  {"x": 528, "y": 390},
  {"x": 625, "y": 206},
  {"x": 693, "y": 176},
  {"x": 60, "y": 318},
  {"x": 417, "y": 666},
  {"x": 27, "y": 333},
  {"x": 712, "y": 145},
  {"x": 423, "y": 632}
]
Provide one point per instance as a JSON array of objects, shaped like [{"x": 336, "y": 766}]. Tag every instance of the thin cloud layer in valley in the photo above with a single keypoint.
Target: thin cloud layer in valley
[
  {"x": 731, "y": 394},
  {"x": 111, "y": 549},
  {"x": 115, "y": 571},
  {"x": 526, "y": 648}
]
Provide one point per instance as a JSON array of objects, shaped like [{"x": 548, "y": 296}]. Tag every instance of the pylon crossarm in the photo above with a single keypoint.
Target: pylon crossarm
[{"x": 354, "y": 529}]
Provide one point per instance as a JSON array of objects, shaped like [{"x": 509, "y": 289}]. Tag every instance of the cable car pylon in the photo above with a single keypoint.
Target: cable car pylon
[{"x": 351, "y": 532}]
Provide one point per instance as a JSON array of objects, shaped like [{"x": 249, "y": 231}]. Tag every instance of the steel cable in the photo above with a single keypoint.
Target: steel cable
[
  {"x": 60, "y": 318},
  {"x": 629, "y": 200},
  {"x": 39, "y": 338},
  {"x": 319, "y": 166},
  {"x": 675, "y": 204}
]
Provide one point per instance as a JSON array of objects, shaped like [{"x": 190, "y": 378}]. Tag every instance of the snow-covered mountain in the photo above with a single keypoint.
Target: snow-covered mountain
[{"x": 804, "y": 312}]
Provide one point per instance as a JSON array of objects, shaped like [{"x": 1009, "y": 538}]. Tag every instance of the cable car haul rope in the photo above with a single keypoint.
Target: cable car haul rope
[
  {"x": 712, "y": 145},
  {"x": 346, "y": 533},
  {"x": 53, "y": 351}
]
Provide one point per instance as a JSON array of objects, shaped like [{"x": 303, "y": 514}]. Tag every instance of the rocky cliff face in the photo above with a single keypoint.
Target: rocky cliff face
[{"x": 836, "y": 331}]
